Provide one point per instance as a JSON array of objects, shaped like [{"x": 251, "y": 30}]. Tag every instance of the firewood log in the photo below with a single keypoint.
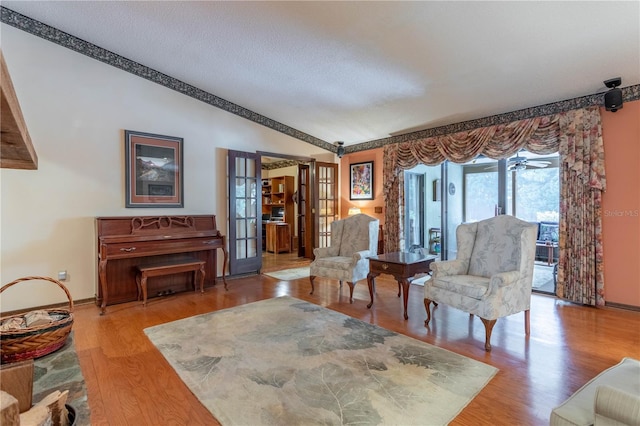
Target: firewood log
[
  {"x": 10, "y": 413},
  {"x": 38, "y": 415},
  {"x": 55, "y": 403}
]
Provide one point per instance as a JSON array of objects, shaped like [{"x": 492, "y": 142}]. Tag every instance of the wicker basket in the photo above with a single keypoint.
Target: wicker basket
[{"x": 36, "y": 341}]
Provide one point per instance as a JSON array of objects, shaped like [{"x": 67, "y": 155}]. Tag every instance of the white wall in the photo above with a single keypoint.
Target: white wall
[{"x": 77, "y": 109}]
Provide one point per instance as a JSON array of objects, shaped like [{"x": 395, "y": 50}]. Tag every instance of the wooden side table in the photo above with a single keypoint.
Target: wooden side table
[{"x": 402, "y": 266}]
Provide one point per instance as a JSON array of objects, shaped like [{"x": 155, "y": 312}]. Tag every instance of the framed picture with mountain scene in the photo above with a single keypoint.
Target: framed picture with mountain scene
[
  {"x": 361, "y": 181},
  {"x": 153, "y": 170}
]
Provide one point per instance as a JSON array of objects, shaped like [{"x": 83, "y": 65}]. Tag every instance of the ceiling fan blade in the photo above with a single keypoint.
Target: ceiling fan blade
[
  {"x": 518, "y": 159},
  {"x": 538, "y": 163}
]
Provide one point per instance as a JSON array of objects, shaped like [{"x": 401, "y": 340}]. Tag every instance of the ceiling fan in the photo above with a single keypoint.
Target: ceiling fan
[{"x": 520, "y": 163}]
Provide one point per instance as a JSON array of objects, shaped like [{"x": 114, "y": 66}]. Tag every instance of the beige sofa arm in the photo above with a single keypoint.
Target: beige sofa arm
[
  {"x": 616, "y": 407},
  {"x": 320, "y": 252},
  {"x": 359, "y": 255},
  {"x": 449, "y": 267},
  {"x": 504, "y": 278}
]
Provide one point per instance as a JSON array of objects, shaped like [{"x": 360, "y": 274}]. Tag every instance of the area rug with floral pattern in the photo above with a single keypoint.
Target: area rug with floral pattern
[{"x": 284, "y": 361}]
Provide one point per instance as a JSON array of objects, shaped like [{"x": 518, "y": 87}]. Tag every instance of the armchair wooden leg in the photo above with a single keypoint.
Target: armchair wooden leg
[
  {"x": 527, "y": 322},
  {"x": 311, "y": 278},
  {"x": 427, "y": 304},
  {"x": 351, "y": 287},
  {"x": 488, "y": 328}
]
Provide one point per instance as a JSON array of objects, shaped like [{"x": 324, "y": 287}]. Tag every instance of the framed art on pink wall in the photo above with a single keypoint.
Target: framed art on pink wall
[
  {"x": 361, "y": 181},
  {"x": 153, "y": 169}
]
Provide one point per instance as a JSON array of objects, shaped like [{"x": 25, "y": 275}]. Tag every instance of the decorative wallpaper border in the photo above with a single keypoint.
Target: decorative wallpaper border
[
  {"x": 61, "y": 38},
  {"x": 630, "y": 93},
  {"x": 281, "y": 164}
]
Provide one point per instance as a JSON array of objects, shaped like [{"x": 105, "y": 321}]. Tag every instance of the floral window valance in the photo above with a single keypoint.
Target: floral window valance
[{"x": 571, "y": 133}]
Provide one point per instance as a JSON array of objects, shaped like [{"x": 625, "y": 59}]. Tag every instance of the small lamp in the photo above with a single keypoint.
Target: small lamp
[{"x": 354, "y": 210}]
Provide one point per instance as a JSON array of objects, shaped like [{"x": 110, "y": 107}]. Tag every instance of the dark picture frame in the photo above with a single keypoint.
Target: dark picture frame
[
  {"x": 153, "y": 170},
  {"x": 361, "y": 181}
]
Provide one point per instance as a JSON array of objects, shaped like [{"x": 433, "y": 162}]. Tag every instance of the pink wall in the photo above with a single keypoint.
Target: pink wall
[
  {"x": 621, "y": 204},
  {"x": 621, "y": 201},
  {"x": 366, "y": 206}
]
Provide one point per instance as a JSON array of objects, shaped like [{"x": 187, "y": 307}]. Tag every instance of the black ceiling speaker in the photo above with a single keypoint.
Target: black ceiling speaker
[
  {"x": 613, "y": 98},
  {"x": 340, "y": 149}
]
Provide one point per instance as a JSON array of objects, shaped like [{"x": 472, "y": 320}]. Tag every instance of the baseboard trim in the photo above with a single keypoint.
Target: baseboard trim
[
  {"x": 54, "y": 306},
  {"x": 622, "y": 306}
]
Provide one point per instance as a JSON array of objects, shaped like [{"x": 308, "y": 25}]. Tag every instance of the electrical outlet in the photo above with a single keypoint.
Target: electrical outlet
[{"x": 62, "y": 275}]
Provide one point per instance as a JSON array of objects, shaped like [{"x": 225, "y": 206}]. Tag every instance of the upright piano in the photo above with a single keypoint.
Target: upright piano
[{"x": 124, "y": 242}]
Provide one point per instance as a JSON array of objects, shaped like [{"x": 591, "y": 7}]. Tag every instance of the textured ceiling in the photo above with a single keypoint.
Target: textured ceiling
[{"x": 361, "y": 71}]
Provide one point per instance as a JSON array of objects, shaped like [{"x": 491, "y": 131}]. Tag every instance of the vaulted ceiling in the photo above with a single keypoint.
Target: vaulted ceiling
[{"x": 365, "y": 71}]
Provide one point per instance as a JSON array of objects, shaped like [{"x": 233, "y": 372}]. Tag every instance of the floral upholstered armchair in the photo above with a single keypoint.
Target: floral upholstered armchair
[
  {"x": 353, "y": 240},
  {"x": 492, "y": 274}
]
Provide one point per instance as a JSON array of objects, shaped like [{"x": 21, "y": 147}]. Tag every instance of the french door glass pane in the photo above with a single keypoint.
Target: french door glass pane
[
  {"x": 240, "y": 166},
  {"x": 240, "y": 203},
  {"x": 414, "y": 201},
  {"x": 323, "y": 232},
  {"x": 537, "y": 194},
  {"x": 252, "y": 246},
  {"x": 241, "y": 251},
  {"x": 241, "y": 227},
  {"x": 240, "y": 188},
  {"x": 252, "y": 229},
  {"x": 481, "y": 195}
]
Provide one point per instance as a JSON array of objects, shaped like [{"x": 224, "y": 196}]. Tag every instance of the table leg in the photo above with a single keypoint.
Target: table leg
[
  {"x": 371, "y": 282},
  {"x": 406, "y": 284}
]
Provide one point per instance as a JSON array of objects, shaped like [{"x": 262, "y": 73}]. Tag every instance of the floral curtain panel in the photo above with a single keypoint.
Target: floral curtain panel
[{"x": 576, "y": 135}]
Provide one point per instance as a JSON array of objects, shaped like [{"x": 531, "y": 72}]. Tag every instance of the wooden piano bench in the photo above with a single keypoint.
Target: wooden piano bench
[{"x": 167, "y": 268}]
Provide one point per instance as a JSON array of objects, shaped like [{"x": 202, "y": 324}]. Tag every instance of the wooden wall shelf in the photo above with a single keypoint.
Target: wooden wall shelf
[{"x": 16, "y": 149}]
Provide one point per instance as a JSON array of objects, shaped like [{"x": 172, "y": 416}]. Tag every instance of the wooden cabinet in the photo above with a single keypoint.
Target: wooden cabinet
[
  {"x": 277, "y": 202},
  {"x": 278, "y": 237}
]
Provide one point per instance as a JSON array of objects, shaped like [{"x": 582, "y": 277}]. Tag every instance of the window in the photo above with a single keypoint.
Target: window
[
  {"x": 532, "y": 188},
  {"x": 480, "y": 191},
  {"x": 533, "y": 193}
]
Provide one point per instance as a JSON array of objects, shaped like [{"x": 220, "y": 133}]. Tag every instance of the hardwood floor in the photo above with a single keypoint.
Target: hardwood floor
[
  {"x": 130, "y": 383},
  {"x": 278, "y": 261}
]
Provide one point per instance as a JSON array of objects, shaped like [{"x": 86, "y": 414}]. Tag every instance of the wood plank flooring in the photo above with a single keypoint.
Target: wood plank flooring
[{"x": 130, "y": 383}]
